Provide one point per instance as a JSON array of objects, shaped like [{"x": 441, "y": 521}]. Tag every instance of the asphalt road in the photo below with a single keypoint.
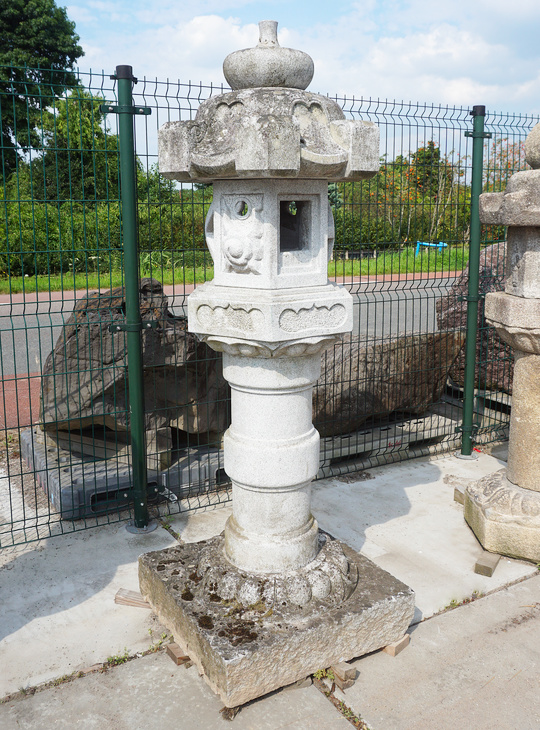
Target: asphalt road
[
  {"x": 29, "y": 330},
  {"x": 388, "y": 309}
]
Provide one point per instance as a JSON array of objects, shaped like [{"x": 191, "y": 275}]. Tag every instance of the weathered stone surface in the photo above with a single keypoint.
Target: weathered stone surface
[
  {"x": 84, "y": 377},
  {"x": 267, "y": 603},
  {"x": 519, "y": 205},
  {"x": 405, "y": 374},
  {"x": 503, "y": 509},
  {"x": 271, "y": 454},
  {"x": 269, "y": 127},
  {"x": 250, "y": 635},
  {"x": 265, "y": 133},
  {"x": 494, "y": 358},
  {"x": 268, "y": 64},
  {"x": 256, "y": 241},
  {"x": 516, "y": 319},
  {"x": 276, "y": 320},
  {"x": 532, "y": 147},
  {"x": 524, "y": 442},
  {"x": 523, "y": 262},
  {"x": 504, "y": 517}
]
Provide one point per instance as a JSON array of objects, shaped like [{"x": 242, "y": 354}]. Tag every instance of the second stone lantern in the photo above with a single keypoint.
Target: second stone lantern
[{"x": 270, "y": 148}]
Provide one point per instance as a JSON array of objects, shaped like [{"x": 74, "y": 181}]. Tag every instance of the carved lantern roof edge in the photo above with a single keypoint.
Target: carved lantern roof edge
[{"x": 269, "y": 126}]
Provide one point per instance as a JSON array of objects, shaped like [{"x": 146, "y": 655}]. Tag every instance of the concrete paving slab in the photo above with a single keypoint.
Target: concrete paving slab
[
  {"x": 405, "y": 519},
  {"x": 477, "y": 666},
  {"x": 58, "y": 612},
  {"x": 58, "y": 608},
  {"x": 197, "y": 526},
  {"x": 153, "y": 693}
]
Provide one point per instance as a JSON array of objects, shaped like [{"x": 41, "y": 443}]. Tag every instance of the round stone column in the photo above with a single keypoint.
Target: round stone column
[
  {"x": 524, "y": 444},
  {"x": 271, "y": 455}
]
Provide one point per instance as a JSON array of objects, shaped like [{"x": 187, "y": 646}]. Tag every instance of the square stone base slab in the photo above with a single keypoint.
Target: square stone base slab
[
  {"x": 246, "y": 654},
  {"x": 504, "y": 517}
]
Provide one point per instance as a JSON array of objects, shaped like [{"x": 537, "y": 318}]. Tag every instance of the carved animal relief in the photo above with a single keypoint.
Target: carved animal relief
[{"x": 242, "y": 233}]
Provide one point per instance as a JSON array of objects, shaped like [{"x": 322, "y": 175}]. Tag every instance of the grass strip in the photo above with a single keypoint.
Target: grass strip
[{"x": 386, "y": 262}]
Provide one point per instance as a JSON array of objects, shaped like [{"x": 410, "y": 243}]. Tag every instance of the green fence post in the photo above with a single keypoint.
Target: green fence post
[
  {"x": 133, "y": 325},
  {"x": 478, "y": 135}
]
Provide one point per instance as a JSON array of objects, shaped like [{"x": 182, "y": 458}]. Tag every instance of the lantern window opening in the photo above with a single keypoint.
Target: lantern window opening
[
  {"x": 241, "y": 208},
  {"x": 294, "y": 225}
]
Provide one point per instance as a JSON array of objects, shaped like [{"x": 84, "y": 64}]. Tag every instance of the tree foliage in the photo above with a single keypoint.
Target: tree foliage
[
  {"x": 38, "y": 49},
  {"x": 431, "y": 173},
  {"x": 419, "y": 197},
  {"x": 502, "y": 159},
  {"x": 80, "y": 157},
  {"x": 61, "y": 210}
]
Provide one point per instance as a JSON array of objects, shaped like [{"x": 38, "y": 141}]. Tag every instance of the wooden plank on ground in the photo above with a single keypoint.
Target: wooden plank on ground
[
  {"x": 130, "y": 598},
  {"x": 397, "y": 646},
  {"x": 486, "y": 563}
]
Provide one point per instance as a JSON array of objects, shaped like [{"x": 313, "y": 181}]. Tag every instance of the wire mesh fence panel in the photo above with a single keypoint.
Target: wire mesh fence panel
[
  {"x": 391, "y": 390},
  {"x": 61, "y": 240},
  {"x": 402, "y": 246}
]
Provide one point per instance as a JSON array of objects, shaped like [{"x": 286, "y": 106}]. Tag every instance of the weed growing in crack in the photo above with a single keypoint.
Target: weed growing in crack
[
  {"x": 165, "y": 522},
  {"x": 116, "y": 659},
  {"x": 157, "y": 645},
  {"x": 344, "y": 709},
  {"x": 454, "y": 603},
  {"x": 324, "y": 674}
]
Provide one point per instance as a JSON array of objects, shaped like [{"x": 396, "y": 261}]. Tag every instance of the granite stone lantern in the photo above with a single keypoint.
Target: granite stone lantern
[
  {"x": 274, "y": 598},
  {"x": 503, "y": 509}
]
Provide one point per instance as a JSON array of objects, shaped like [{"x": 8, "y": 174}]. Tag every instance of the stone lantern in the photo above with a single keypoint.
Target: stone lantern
[
  {"x": 273, "y": 598},
  {"x": 503, "y": 509}
]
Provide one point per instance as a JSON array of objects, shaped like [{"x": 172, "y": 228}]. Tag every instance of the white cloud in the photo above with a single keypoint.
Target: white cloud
[
  {"x": 450, "y": 53},
  {"x": 191, "y": 51},
  {"x": 521, "y": 10},
  {"x": 444, "y": 64},
  {"x": 80, "y": 14}
]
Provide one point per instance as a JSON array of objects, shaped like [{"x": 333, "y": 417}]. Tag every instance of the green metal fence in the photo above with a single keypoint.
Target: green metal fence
[{"x": 74, "y": 302}]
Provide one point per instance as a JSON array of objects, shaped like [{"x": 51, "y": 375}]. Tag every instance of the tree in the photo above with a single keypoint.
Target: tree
[
  {"x": 38, "y": 49},
  {"x": 418, "y": 197},
  {"x": 153, "y": 189},
  {"x": 431, "y": 173},
  {"x": 502, "y": 159},
  {"x": 80, "y": 158}
]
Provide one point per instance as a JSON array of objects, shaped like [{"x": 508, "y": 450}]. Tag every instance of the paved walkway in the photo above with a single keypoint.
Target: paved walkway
[{"x": 475, "y": 666}]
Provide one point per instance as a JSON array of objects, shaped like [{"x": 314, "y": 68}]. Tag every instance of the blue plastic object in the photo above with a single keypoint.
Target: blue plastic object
[{"x": 439, "y": 246}]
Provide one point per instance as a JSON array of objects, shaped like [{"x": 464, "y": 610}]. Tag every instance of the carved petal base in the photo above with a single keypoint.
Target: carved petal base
[
  {"x": 504, "y": 517},
  {"x": 250, "y": 635}
]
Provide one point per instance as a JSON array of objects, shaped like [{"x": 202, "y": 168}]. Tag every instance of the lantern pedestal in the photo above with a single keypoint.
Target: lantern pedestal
[{"x": 249, "y": 648}]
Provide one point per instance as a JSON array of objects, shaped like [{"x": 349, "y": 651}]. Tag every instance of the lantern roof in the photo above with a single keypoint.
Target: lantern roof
[{"x": 269, "y": 126}]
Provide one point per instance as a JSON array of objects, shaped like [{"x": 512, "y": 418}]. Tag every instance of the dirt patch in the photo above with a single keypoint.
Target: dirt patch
[
  {"x": 355, "y": 476},
  {"x": 522, "y": 618}
]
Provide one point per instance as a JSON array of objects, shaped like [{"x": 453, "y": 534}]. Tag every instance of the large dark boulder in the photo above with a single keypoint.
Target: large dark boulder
[
  {"x": 84, "y": 378},
  {"x": 404, "y": 374},
  {"x": 494, "y": 358}
]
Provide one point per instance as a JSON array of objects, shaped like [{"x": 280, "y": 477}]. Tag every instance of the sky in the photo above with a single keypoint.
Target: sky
[{"x": 449, "y": 52}]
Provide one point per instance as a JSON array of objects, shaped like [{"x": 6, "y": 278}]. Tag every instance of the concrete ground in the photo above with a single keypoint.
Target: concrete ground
[{"x": 475, "y": 666}]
